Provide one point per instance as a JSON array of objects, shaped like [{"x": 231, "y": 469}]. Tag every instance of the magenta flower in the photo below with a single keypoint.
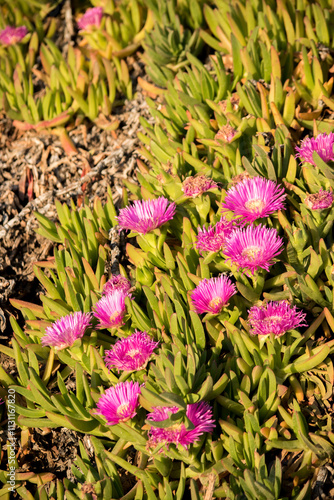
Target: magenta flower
[
  {"x": 11, "y": 35},
  {"x": 119, "y": 403},
  {"x": 145, "y": 215},
  {"x": 211, "y": 295},
  {"x": 110, "y": 310},
  {"x": 254, "y": 199},
  {"x": 322, "y": 144},
  {"x": 92, "y": 17},
  {"x": 195, "y": 186},
  {"x": 225, "y": 134},
  {"x": 131, "y": 353},
  {"x": 319, "y": 201},
  {"x": 199, "y": 414},
  {"x": 213, "y": 238},
  {"x": 66, "y": 330},
  {"x": 275, "y": 317},
  {"x": 253, "y": 248},
  {"x": 116, "y": 282}
]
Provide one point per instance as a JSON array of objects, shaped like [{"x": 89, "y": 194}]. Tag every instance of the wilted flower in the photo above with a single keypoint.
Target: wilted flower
[
  {"x": 211, "y": 295},
  {"x": 116, "y": 282},
  {"x": 240, "y": 177},
  {"x": 233, "y": 100},
  {"x": 322, "y": 144},
  {"x": 275, "y": 317},
  {"x": 131, "y": 353},
  {"x": 226, "y": 133},
  {"x": 213, "y": 238},
  {"x": 199, "y": 414},
  {"x": 92, "y": 17},
  {"x": 253, "y": 248},
  {"x": 110, "y": 309},
  {"x": 145, "y": 215},
  {"x": 11, "y": 35},
  {"x": 66, "y": 330},
  {"x": 254, "y": 199},
  {"x": 319, "y": 201},
  {"x": 195, "y": 186},
  {"x": 119, "y": 403}
]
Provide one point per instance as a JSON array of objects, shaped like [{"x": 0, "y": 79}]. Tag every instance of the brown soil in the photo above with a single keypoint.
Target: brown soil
[{"x": 34, "y": 172}]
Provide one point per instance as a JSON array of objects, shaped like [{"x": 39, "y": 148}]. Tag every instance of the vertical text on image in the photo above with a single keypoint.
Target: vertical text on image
[{"x": 11, "y": 440}]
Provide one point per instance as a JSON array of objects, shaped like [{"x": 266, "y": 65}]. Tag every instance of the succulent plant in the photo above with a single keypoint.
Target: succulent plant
[
  {"x": 68, "y": 90},
  {"x": 167, "y": 45},
  {"x": 29, "y": 9},
  {"x": 120, "y": 31}
]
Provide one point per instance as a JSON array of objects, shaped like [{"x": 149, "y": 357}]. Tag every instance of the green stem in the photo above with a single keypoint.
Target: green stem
[{"x": 258, "y": 282}]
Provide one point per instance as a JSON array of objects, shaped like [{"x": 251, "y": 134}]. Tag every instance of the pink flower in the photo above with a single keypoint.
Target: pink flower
[
  {"x": 195, "y": 186},
  {"x": 322, "y": 144},
  {"x": 131, "y": 353},
  {"x": 211, "y": 295},
  {"x": 199, "y": 414},
  {"x": 11, "y": 35},
  {"x": 319, "y": 201},
  {"x": 145, "y": 215},
  {"x": 119, "y": 403},
  {"x": 213, "y": 238},
  {"x": 253, "y": 248},
  {"x": 116, "y": 282},
  {"x": 92, "y": 17},
  {"x": 110, "y": 310},
  {"x": 254, "y": 199},
  {"x": 225, "y": 134},
  {"x": 66, "y": 330},
  {"x": 275, "y": 317}
]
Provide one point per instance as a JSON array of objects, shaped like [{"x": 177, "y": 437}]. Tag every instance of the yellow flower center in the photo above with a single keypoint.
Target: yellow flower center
[
  {"x": 113, "y": 316},
  {"x": 133, "y": 353},
  {"x": 216, "y": 303},
  {"x": 251, "y": 252},
  {"x": 122, "y": 408},
  {"x": 272, "y": 318},
  {"x": 255, "y": 205},
  {"x": 176, "y": 427}
]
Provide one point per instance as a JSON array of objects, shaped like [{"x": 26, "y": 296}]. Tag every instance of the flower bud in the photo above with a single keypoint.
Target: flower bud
[{"x": 144, "y": 276}]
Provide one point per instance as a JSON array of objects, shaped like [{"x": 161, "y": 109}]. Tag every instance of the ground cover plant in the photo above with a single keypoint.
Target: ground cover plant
[{"x": 186, "y": 331}]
